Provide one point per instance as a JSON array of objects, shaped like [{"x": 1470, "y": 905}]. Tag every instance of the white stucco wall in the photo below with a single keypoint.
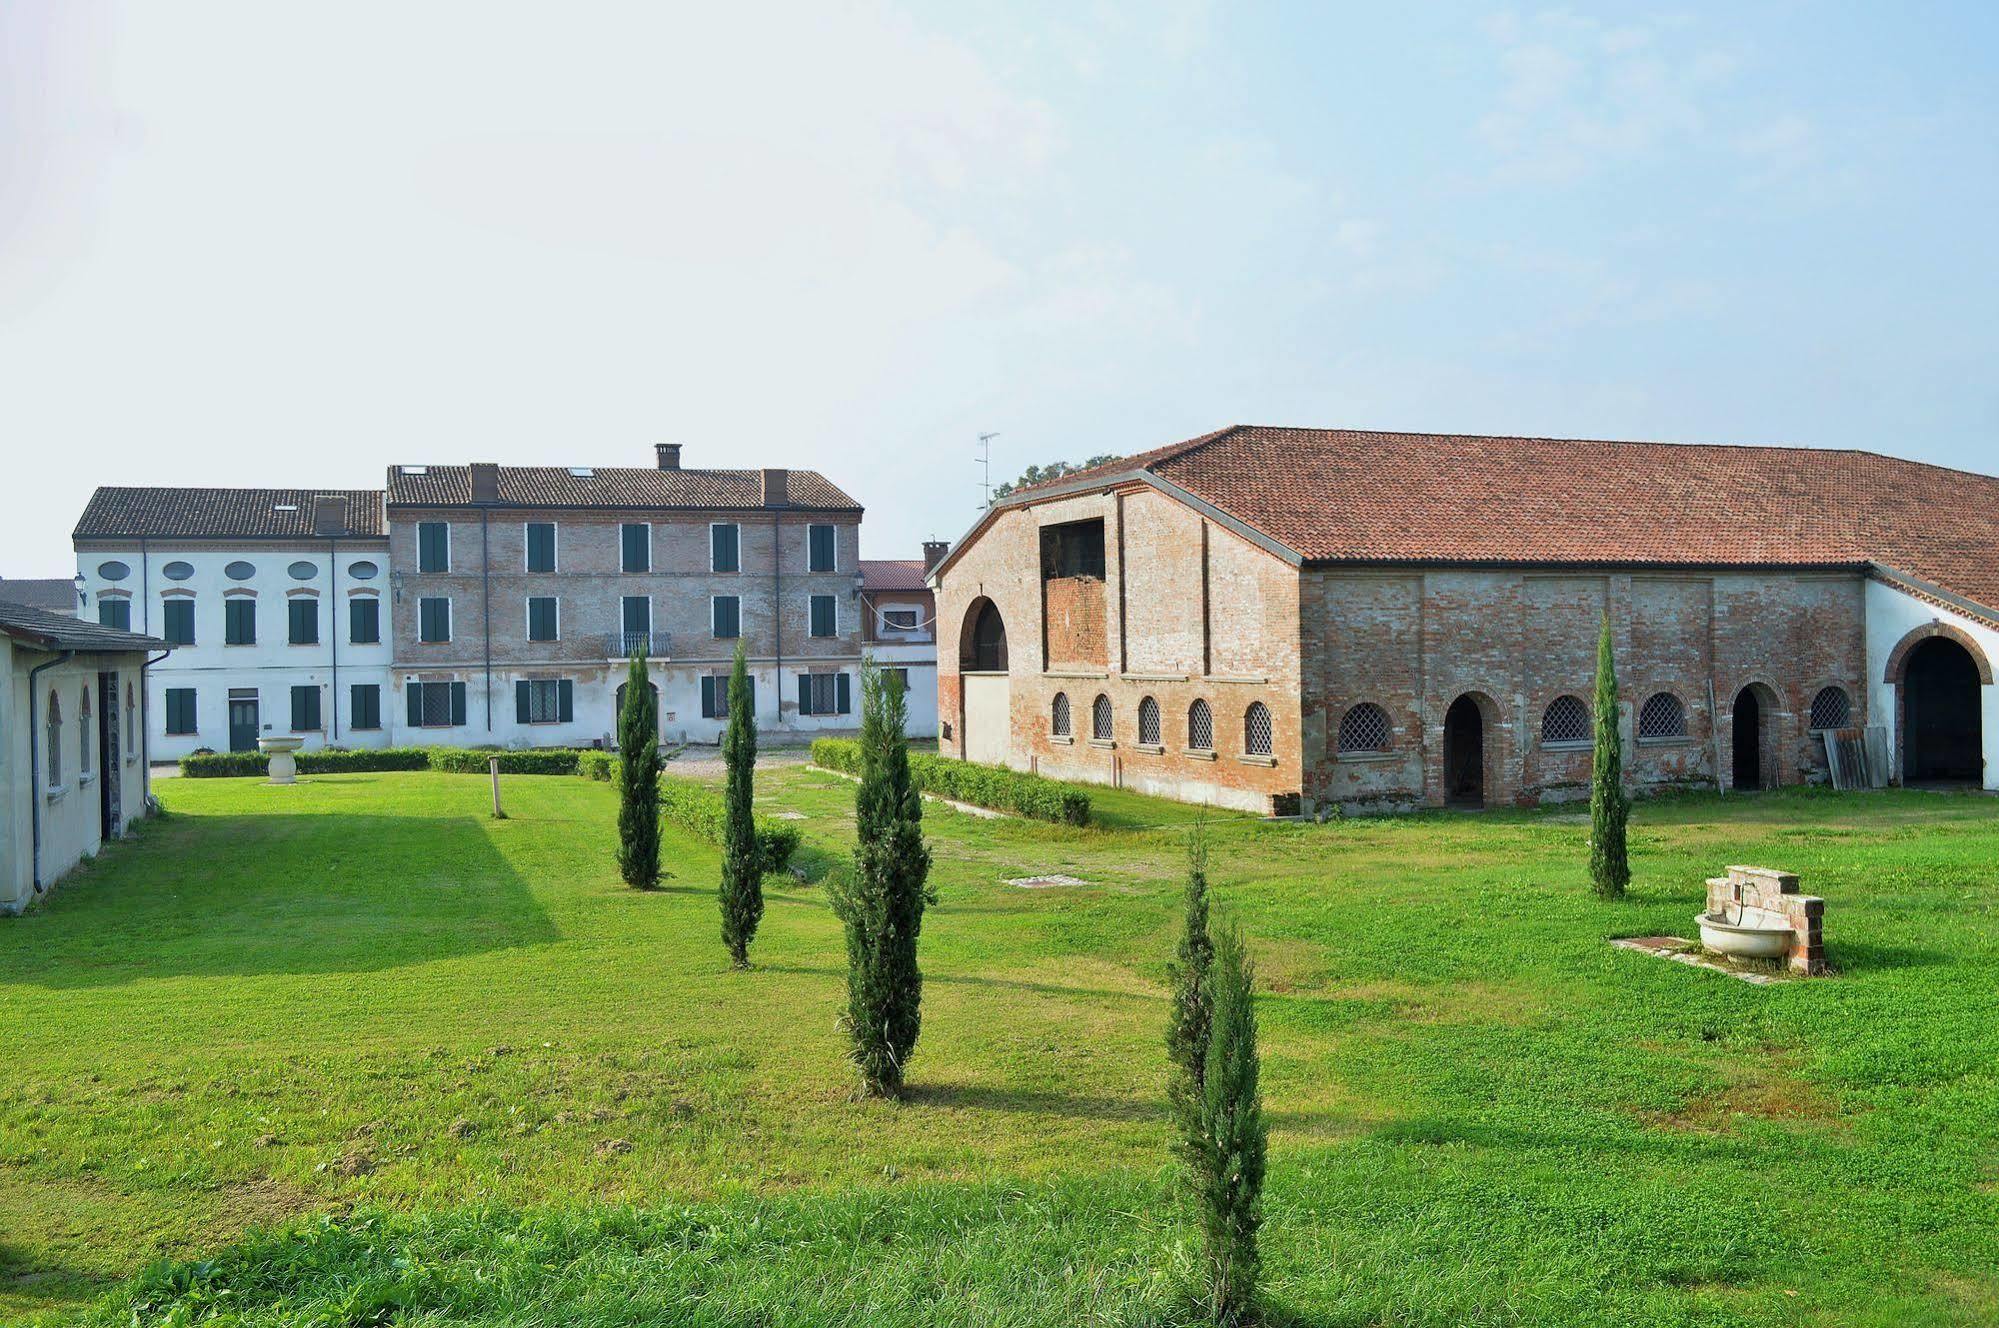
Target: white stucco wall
[
  {"x": 1891, "y": 615},
  {"x": 272, "y": 666}
]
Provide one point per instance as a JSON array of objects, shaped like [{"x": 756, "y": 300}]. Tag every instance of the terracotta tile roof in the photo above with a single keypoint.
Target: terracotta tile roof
[
  {"x": 56, "y": 594},
  {"x": 59, "y": 631},
  {"x": 169, "y": 513},
  {"x": 1345, "y": 495},
  {"x": 893, "y": 574},
  {"x": 613, "y": 486}
]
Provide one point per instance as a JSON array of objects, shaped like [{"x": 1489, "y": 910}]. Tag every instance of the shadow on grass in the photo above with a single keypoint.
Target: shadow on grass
[
  {"x": 1862, "y": 957},
  {"x": 1033, "y": 1102},
  {"x": 235, "y": 895},
  {"x": 964, "y": 980},
  {"x": 37, "y": 1284}
]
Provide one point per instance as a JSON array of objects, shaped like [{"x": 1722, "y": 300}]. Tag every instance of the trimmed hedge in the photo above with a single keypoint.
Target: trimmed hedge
[
  {"x": 981, "y": 785},
  {"x": 532, "y": 761},
  {"x": 454, "y": 760},
  {"x": 600, "y": 766},
  {"x": 698, "y": 808}
]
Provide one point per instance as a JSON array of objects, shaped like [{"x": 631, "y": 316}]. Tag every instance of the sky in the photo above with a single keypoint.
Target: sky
[{"x": 257, "y": 244}]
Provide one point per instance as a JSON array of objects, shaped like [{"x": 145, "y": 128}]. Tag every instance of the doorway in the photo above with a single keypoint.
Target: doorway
[
  {"x": 108, "y": 810},
  {"x": 1943, "y": 740},
  {"x": 242, "y": 723},
  {"x": 1464, "y": 754},
  {"x": 1748, "y": 740}
]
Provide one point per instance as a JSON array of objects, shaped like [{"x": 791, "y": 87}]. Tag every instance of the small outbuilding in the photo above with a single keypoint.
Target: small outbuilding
[{"x": 73, "y": 769}]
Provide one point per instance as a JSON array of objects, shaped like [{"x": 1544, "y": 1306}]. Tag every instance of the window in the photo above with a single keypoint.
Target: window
[
  {"x": 824, "y": 694},
  {"x": 725, "y": 548},
  {"x": 715, "y": 696},
  {"x": 726, "y": 616},
  {"x": 819, "y": 548},
  {"x": 433, "y": 618},
  {"x": 302, "y": 570},
  {"x": 1364, "y": 730},
  {"x": 637, "y": 615},
  {"x": 825, "y": 616},
  {"x": 1058, "y": 718},
  {"x": 900, "y": 676},
  {"x": 240, "y": 570},
  {"x": 900, "y": 620},
  {"x": 239, "y": 622},
  {"x": 364, "y": 620},
  {"x": 541, "y": 546},
  {"x": 179, "y": 614},
  {"x": 1100, "y": 718},
  {"x": 131, "y": 721},
  {"x": 1256, "y": 735},
  {"x": 304, "y": 615},
  {"x": 363, "y": 570},
  {"x": 544, "y": 701},
  {"x": 305, "y": 709},
  {"x": 543, "y": 624},
  {"x": 1073, "y": 549},
  {"x": 365, "y": 706},
  {"x": 1148, "y": 722},
  {"x": 115, "y": 613},
  {"x": 55, "y": 741},
  {"x": 1832, "y": 709},
  {"x": 436, "y": 705},
  {"x": 1662, "y": 716},
  {"x": 635, "y": 547},
  {"x": 83, "y": 736},
  {"x": 177, "y": 570},
  {"x": 1200, "y": 727},
  {"x": 433, "y": 546},
  {"x": 1565, "y": 723},
  {"x": 180, "y": 711}
]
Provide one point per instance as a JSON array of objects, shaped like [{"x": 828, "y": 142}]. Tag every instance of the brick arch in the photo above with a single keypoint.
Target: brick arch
[{"x": 1898, "y": 658}]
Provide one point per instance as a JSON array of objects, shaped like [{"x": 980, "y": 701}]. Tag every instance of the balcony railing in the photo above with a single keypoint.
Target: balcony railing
[{"x": 623, "y": 645}]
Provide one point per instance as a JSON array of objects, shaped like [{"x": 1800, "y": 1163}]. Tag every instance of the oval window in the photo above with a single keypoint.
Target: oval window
[
  {"x": 240, "y": 570},
  {"x": 302, "y": 571},
  {"x": 177, "y": 571},
  {"x": 113, "y": 571},
  {"x": 363, "y": 571}
]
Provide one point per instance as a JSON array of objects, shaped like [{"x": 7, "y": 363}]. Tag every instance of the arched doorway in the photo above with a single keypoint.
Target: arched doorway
[
  {"x": 1747, "y": 740},
  {"x": 1464, "y": 754},
  {"x": 987, "y": 691},
  {"x": 1942, "y": 737}
]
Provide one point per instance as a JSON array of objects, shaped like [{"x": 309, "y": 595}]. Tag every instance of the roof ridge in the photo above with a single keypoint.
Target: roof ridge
[{"x": 1566, "y": 438}]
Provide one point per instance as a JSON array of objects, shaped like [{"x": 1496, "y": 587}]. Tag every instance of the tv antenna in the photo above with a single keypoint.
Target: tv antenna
[{"x": 986, "y": 460}]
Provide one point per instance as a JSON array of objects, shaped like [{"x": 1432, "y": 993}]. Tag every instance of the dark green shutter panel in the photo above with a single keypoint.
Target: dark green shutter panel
[
  {"x": 846, "y": 698},
  {"x": 521, "y": 692},
  {"x": 565, "y": 693},
  {"x": 804, "y": 694},
  {"x": 457, "y": 703},
  {"x": 707, "y": 696},
  {"x": 415, "y": 692}
]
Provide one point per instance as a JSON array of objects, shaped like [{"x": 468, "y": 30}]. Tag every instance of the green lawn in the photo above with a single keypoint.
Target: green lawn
[{"x": 538, "y": 1097}]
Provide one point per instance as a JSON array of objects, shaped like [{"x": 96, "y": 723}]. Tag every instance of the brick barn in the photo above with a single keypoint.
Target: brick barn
[{"x": 1266, "y": 617}]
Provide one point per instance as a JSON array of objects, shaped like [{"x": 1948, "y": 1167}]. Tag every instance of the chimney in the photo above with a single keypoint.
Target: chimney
[
  {"x": 485, "y": 482},
  {"x": 777, "y": 487},
  {"x": 329, "y": 514},
  {"x": 933, "y": 553},
  {"x": 668, "y": 454}
]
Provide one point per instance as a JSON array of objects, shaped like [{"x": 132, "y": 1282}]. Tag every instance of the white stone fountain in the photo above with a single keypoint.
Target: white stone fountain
[{"x": 284, "y": 766}]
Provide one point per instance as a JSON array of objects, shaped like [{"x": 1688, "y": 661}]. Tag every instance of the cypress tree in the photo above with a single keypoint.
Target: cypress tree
[
  {"x": 1609, "y": 807},
  {"x": 1235, "y": 1139},
  {"x": 638, "y": 779},
  {"x": 881, "y": 907},
  {"x": 1192, "y": 1013},
  {"x": 742, "y": 873}
]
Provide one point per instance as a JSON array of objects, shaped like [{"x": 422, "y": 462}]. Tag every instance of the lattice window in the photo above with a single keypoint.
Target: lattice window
[
  {"x": 1200, "y": 727},
  {"x": 1662, "y": 716},
  {"x": 1364, "y": 728},
  {"x": 1256, "y": 736},
  {"x": 1832, "y": 708},
  {"x": 1100, "y": 718},
  {"x": 1058, "y": 718},
  {"x": 1148, "y": 722},
  {"x": 1566, "y": 720}
]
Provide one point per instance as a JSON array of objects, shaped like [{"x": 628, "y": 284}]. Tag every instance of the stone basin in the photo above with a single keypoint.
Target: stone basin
[
  {"x": 1756, "y": 934},
  {"x": 284, "y": 768}
]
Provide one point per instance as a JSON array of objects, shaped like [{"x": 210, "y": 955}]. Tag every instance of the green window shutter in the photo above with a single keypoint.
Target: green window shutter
[
  {"x": 635, "y": 548},
  {"x": 521, "y": 694},
  {"x": 433, "y": 541},
  {"x": 725, "y": 548},
  {"x": 821, "y": 550},
  {"x": 180, "y": 622},
  {"x": 804, "y": 694},
  {"x": 728, "y": 617},
  {"x": 115, "y": 613},
  {"x": 415, "y": 692},
  {"x": 457, "y": 703},
  {"x": 565, "y": 700},
  {"x": 707, "y": 696},
  {"x": 845, "y": 704},
  {"x": 364, "y": 622},
  {"x": 541, "y": 546}
]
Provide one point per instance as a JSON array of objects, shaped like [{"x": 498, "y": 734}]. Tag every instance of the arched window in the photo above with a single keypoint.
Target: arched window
[
  {"x": 83, "y": 735},
  {"x": 55, "y": 741},
  {"x": 1100, "y": 718},
  {"x": 1256, "y": 736},
  {"x": 1364, "y": 728},
  {"x": 1200, "y": 727},
  {"x": 1832, "y": 708},
  {"x": 1148, "y": 722},
  {"x": 1565, "y": 722},
  {"x": 1662, "y": 716},
  {"x": 1058, "y": 718}
]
